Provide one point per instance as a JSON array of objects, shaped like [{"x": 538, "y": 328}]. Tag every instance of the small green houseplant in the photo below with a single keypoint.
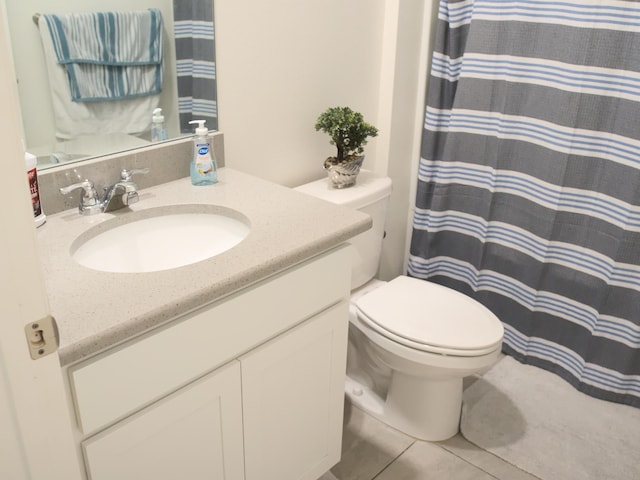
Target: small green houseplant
[{"x": 349, "y": 133}]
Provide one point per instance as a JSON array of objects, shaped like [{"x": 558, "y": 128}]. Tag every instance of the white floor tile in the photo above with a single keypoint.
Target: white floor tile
[
  {"x": 428, "y": 461},
  {"x": 368, "y": 446},
  {"x": 484, "y": 460}
]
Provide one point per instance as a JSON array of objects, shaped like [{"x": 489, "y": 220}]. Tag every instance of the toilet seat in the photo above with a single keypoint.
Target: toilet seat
[{"x": 429, "y": 317}]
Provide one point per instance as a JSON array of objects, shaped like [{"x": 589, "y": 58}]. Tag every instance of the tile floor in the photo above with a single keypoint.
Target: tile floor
[{"x": 372, "y": 450}]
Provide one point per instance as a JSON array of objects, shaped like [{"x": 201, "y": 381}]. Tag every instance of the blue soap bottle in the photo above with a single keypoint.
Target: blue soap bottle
[{"x": 204, "y": 169}]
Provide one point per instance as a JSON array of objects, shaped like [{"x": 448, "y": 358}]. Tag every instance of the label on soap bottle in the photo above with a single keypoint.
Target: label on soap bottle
[{"x": 204, "y": 163}]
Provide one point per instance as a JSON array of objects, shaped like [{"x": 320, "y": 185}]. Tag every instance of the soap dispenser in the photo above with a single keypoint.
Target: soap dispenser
[
  {"x": 158, "y": 130},
  {"x": 204, "y": 170}
]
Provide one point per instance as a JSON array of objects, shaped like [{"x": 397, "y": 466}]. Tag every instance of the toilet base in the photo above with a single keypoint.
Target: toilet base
[{"x": 435, "y": 417}]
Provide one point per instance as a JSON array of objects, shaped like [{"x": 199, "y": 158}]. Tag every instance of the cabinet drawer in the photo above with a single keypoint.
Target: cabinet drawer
[{"x": 122, "y": 380}]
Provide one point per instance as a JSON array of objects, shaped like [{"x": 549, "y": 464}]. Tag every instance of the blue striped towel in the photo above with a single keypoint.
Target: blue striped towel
[{"x": 109, "y": 55}]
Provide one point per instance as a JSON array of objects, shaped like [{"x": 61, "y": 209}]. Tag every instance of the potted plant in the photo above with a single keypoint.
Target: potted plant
[{"x": 349, "y": 133}]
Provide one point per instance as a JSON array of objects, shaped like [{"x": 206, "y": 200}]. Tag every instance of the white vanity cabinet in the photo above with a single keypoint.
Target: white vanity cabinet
[{"x": 248, "y": 387}]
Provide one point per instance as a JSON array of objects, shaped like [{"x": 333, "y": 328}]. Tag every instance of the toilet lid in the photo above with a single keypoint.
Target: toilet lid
[{"x": 430, "y": 317}]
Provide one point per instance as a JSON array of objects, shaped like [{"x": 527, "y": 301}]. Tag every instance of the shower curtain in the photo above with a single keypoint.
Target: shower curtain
[
  {"x": 529, "y": 181},
  {"x": 195, "y": 63}
]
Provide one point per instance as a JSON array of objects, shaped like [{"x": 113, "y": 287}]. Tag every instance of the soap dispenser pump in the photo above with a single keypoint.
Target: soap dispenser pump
[{"x": 204, "y": 170}]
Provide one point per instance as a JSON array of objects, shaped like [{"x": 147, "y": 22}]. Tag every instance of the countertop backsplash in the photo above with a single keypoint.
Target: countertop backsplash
[{"x": 166, "y": 162}]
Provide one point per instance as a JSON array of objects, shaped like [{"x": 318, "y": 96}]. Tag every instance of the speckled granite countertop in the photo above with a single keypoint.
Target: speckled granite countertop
[{"x": 96, "y": 310}]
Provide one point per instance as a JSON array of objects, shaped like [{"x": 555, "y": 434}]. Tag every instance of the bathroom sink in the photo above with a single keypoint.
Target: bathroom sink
[{"x": 160, "y": 238}]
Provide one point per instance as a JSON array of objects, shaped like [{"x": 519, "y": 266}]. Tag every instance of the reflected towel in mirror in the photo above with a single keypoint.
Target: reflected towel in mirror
[
  {"x": 109, "y": 55},
  {"x": 74, "y": 119}
]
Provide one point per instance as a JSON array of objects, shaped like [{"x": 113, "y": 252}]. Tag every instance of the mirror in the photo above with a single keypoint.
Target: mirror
[{"x": 186, "y": 95}]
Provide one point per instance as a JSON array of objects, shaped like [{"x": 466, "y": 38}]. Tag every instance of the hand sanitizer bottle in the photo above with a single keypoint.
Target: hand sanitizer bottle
[
  {"x": 158, "y": 131},
  {"x": 204, "y": 170}
]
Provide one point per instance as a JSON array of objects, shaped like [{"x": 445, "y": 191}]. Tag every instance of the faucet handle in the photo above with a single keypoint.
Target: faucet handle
[
  {"x": 125, "y": 175},
  {"x": 89, "y": 201},
  {"x": 85, "y": 184}
]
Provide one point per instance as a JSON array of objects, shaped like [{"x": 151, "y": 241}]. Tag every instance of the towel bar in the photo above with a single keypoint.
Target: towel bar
[{"x": 36, "y": 17}]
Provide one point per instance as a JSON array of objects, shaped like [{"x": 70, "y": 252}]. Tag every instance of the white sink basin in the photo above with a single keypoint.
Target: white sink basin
[{"x": 160, "y": 239}]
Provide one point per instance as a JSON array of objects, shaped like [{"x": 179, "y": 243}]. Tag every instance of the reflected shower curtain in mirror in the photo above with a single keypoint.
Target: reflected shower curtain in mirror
[
  {"x": 529, "y": 181},
  {"x": 195, "y": 63}
]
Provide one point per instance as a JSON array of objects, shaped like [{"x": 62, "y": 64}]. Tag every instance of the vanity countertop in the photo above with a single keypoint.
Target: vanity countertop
[{"x": 97, "y": 310}]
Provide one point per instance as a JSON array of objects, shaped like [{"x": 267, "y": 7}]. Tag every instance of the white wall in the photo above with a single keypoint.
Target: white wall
[
  {"x": 408, "y": 43},
  {"x": 282, "y": 62},
  {"x": 33, "y": 87}
]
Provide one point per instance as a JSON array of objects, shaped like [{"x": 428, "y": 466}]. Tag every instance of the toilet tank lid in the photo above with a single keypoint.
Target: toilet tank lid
[{"x": 368, "y": 189}]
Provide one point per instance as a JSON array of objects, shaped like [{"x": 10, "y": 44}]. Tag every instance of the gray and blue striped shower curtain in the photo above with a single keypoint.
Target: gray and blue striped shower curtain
[
  {"x": 195, "y": 63},
  {"x": 529, "y": 180}
]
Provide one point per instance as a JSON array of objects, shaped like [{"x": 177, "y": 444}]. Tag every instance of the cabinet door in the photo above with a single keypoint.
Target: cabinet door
[
  {"x": 195, "y": 433},
  {"x": 293, "y": 400}
]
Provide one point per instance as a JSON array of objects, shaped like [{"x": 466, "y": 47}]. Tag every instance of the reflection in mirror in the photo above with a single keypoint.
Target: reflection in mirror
[{"x": 58, "y": 129}]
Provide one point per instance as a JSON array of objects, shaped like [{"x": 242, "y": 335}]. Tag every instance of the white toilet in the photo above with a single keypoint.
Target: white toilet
[{"x": 411, "y": 341}]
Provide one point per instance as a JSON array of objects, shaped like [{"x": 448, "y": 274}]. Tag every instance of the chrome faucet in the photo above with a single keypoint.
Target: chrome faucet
[
  {"x": 119, "y": 195},
  {"x": 123, "y": 193}
]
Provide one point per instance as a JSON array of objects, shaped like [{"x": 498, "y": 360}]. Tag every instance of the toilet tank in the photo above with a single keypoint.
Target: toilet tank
[{"x": 370, "y": 195}]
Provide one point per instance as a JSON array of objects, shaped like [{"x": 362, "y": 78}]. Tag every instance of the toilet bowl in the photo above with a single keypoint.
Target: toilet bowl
[
  {"x": 411, "y": 342},
  {"x": 429, "y": 338}
]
